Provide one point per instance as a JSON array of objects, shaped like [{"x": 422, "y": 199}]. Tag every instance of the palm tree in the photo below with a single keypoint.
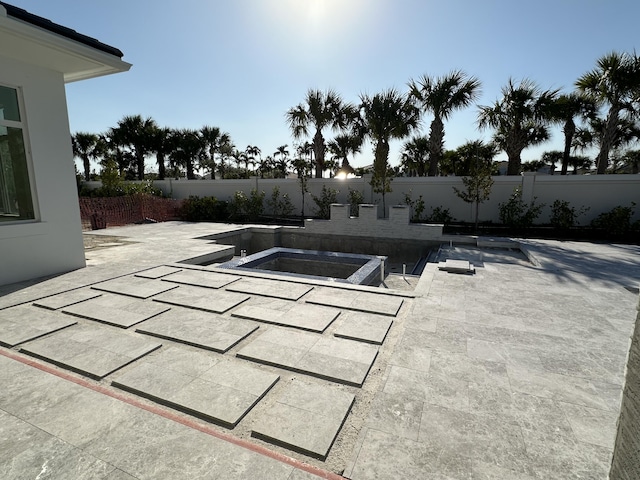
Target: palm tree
[
  {"x": 386, "y": 116},
  {"x": 84, "y": 147},
  {"x": 282, "y": 162},
  {"x": 415, "y": 155},
  {"x": 626, "y": 131},
  {"x": 319, "y": 111},
  {"x": 614, "y": 82},
  {"x": 564, "y": 111},
  {"x": 631, "y": 158},
  {"x": 162, "y": 144},
  {"x": 342, "y": 146},
  {"x": 442, "y": 96},
  {"x": 252, "y": 152},
  {"x": 265, "y": 165},
  {"x": 189, "y": 148},
  {"x": 136, "y": 132},
  {"x": 520, "y": 119},
  {"x": 214, "y": 140},
  {"x": 114, "y": 144}
]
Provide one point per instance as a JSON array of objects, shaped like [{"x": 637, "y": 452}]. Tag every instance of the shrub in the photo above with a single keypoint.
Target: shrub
[
  {"x": 323, "y": 203},
  {"x": 356, "y": 197},
  {"x": 616, "y": 221},
  {"x": 205, "y": 209},
  {"x": 516, "y": 213},
  {"x": 417, "y": 206},
  {"x": 242, "y": 207},
  {"x": 280, "y": 207},
  {"x": 564, "y": 216},
  {"x": 440, "y": 215}
]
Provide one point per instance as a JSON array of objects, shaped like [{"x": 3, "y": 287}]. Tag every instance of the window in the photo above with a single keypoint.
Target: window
[{"x": 15, "y": 189}]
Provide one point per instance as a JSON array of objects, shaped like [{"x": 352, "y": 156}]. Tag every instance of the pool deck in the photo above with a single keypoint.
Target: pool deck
[{"x": 140, "y": 366}]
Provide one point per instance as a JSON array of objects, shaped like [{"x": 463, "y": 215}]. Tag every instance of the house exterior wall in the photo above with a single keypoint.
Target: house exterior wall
[{"x": 53, "y": 242}]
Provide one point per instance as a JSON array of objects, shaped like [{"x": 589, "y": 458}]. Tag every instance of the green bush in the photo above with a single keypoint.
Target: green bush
[
  {"x": 440, "y": 215},
  {"x": 323, "y": 203},
  {"x": 616, "y": 221},
  {"x": 516, "y": 213},
  {"x": 564, "y": 216},
  {"x": 243, "y": 208},
  {"x": 417, "y": 206},
  {"x": 280, "y": 206},
  {"x": 205, "y": 209},
  {"x": 356, "y": 198}
]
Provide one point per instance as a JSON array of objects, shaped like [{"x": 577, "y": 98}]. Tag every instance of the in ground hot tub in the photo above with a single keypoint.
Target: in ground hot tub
[{"x": 351, "y": 268}]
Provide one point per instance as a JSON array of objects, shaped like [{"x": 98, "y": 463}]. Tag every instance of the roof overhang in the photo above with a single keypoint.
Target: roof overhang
[{"x": 34, "y": 45}]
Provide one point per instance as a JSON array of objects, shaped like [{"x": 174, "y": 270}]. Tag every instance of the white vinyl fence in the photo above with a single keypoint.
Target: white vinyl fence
[{"x": 600, "y": 193}]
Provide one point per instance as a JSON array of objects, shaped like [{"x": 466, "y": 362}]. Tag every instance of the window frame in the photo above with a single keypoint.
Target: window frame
[{"x": 22, "y": 126}]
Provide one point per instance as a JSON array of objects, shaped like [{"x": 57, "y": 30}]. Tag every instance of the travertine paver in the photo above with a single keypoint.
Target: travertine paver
[
  {"x": 335, "y": 359},
  {"x": 201, "y": 278},
  {"x": 91, "y": 350},
  {"x": 56, "y": 302},
  {"x": 306, "y": 418},
  {"x": 270, "y": 288},
  {"x": 158, "y": 272},
  {"x": 201, "y": 329},
  {"x": 353, "y": 300},
  {"x": 305, "y": 317},
  {"x": 198, "y": 298},
  {"x": 220, "y": 391},
  {"x": 134, "y": 286},
  {"x": 23, "y": 323},
  {"x": 364, "y": 327},
  {"x": 116, "y": 310}
]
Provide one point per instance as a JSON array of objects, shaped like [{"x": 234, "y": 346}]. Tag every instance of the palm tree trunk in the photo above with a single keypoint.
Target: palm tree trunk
[
  {"x": 318, "y": 149},
  {"x": 436, "y": 135},
  {"x": 87, "y": 167},
  {"x": 608, "y": 139},
  {"x": 569, "y": 131}
]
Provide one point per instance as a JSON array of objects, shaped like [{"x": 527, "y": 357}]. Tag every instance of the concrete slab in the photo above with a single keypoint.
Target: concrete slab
[
  {"x": 24, "y": 323},
  {"x": 305, "y": 418},
  {"x": 134, "y": 286},
  {"x": 200, "y": 278},
  {"x": 200, "y": 329},
  {"x": 353, "y": 300},
  {"x": 223, "y": 394},
  {"x": 199, "y": 298},
  {"x": 270, "y": 288},
  {"x": 158, "y": 272},
  {"x": 115, "y": 310},
  {"x": 65, "y": 299},
  {"x": 363, "y": 327},
  {"x": 338, "y": 360},
  {"x": 90, "y": 350},
  {"x": 305, "y": 317},
  {"x": 132, "y": 442},
  {"x": 456, "y": 266}
]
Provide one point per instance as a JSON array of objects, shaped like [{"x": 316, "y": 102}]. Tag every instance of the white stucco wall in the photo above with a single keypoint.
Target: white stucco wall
[{"x": 53, "y": 242}]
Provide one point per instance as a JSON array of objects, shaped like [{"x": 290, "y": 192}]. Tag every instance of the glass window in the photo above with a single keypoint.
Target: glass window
[{"x": 15, "y": 189}]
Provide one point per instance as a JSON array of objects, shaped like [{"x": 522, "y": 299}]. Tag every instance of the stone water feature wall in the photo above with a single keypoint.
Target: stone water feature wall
[
  {"x": 626, "y": 453},
  {"x": 367, "y": 224}
]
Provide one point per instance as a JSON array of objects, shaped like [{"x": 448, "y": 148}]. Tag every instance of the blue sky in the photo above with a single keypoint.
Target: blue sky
[{"x": 240, "y": 64}]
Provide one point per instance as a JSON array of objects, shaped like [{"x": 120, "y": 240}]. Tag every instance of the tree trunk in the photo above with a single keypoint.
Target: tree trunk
[
  {"x": 190, "y": 175},
  {"x": 318, "y": 150},
  {"x": 514, "y": 165},
  {"x": 569, "y": 131},
  {"x": 608, "y": 139},
  {"x": 87, "y": 167},
  {"x": 140, "y": 164},
  {"x": 435, "y": 145},
  {"x": 162, "y": 172}
]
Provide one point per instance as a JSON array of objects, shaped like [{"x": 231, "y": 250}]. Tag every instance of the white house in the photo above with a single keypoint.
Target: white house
[{"x": 40, "y": 230}]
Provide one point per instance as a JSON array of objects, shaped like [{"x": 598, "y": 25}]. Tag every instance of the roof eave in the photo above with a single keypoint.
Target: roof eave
[{"x": 76, "y": 61}]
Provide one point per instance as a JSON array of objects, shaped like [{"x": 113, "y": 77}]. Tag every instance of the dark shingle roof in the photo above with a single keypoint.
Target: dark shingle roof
[{"x": 20, "y": 14}]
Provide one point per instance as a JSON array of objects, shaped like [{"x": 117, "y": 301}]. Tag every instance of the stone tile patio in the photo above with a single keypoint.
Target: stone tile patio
[{"x": 514, "y": 372}]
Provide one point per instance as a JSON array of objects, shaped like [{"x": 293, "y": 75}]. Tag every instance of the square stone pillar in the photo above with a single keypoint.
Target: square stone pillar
[{"x": 368, "y": 212}]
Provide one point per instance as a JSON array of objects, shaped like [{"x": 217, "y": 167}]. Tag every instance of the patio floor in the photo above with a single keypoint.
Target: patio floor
[{"x": 140, "y": 366}]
